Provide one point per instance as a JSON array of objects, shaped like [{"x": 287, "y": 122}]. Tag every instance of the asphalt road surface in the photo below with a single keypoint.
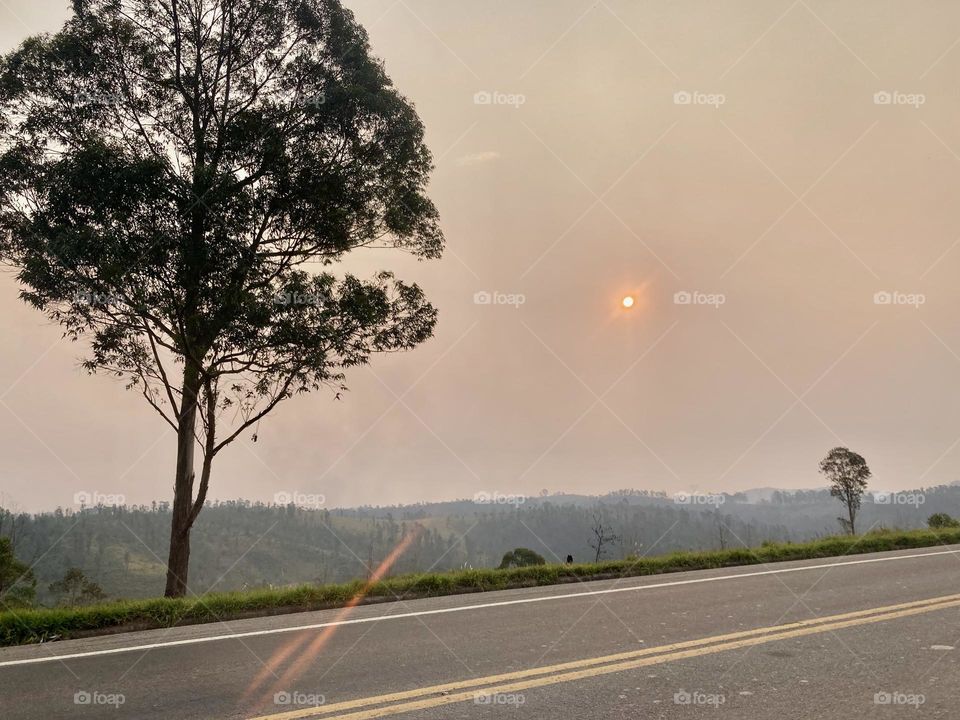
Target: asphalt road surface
[{"x": 868, "y": 636}]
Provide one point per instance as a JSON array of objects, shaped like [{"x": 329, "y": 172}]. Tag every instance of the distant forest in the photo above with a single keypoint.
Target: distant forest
[{"x": 241, "y": 544}]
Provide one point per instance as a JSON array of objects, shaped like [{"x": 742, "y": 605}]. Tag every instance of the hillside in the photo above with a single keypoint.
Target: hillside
[{"x": 242, "y": 545}]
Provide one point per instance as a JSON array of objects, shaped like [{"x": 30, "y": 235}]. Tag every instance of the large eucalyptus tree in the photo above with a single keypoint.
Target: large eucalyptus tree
[{"x": 179, "y": 178}]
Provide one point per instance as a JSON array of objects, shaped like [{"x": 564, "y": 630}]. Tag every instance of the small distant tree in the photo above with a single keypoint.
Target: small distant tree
[
  {"x": 521, "y": 557},
  {"x": 12, "y": 522},
  {"x": 75, "y": 588},
  {"x": 720, "y": 527},
  {"x": 848, "y": 474},
  {"x": 17, "y": 584},
  {"x": 941, "y": 521},
  {"x": 603, "y": 536}
]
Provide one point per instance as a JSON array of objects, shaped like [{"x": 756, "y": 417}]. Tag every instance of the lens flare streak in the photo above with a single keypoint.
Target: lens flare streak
[{"x": 301, "y": 663}]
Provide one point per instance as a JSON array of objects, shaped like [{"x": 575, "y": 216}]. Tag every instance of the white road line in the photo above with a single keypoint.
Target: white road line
[{"x": 462, "y": 608}]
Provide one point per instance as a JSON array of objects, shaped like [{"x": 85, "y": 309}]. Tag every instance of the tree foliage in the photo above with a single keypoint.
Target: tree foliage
[
  {"x": 521, "y": 557},
  {"x": 177, "y": 180},
  {"x": 119, "y": 547},
  {"x": 75, "y": 588},
  {"x": 939, "y": 521},
  {"x": 17, "y": 582},
  {"x": 848, "y": 474},
  {"x": 602, "y": 536}
]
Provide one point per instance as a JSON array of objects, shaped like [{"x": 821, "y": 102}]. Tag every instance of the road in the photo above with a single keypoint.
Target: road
[{"x": 866, "y": 636}]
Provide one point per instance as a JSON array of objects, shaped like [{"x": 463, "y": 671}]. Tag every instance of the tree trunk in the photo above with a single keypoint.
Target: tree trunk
[
  {"x": 179, "y": 558},
  {"x": 853, "y": 514}
]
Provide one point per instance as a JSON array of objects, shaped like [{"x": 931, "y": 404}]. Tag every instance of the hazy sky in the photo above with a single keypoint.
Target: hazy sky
[{"x": 785, "y": 188}]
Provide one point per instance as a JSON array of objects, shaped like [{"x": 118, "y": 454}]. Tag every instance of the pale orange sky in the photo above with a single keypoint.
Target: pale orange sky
[{"x": 784, "y": 187}]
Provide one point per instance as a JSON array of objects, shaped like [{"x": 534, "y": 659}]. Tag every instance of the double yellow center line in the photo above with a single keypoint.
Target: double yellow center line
[{"x": 467, "y": 690}]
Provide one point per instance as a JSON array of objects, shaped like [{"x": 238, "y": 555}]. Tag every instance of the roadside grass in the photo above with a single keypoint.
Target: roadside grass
[{"x": 23, "y": 626}]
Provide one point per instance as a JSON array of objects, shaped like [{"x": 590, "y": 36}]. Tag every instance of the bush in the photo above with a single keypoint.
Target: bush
[
  {"x": 18, "y": 586},
  {"x": 75, "y": 588},
  {"x": 938, "y": 521},
  {"x": 521, "y": 557}
]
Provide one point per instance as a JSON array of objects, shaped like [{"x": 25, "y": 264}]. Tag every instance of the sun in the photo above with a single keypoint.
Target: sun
[{"x": 628, "y": 301}]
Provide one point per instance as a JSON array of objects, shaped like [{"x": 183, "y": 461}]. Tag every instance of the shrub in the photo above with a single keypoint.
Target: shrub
[
  {"x": 521, "y": 557},
  {"x": 938, "y": 521},
  {"x": 18, "y": 586}
]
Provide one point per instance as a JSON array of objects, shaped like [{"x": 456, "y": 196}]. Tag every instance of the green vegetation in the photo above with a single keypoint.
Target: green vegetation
[
  {"x": 18, "y": 587},
  {"x": 521, "y": 557},
  {"x": 29, "y": 626},
  {"x": 215, "y": 310},
  {"x": 75, "y": 588},
  {"x": 240, "y": 545},
  {"x": 939, "y": 521},
  {"x": 848, "y": 474}
]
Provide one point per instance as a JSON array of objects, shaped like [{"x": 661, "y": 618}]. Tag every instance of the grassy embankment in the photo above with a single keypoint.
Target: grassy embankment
[{"x": 38, "y": 625}]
